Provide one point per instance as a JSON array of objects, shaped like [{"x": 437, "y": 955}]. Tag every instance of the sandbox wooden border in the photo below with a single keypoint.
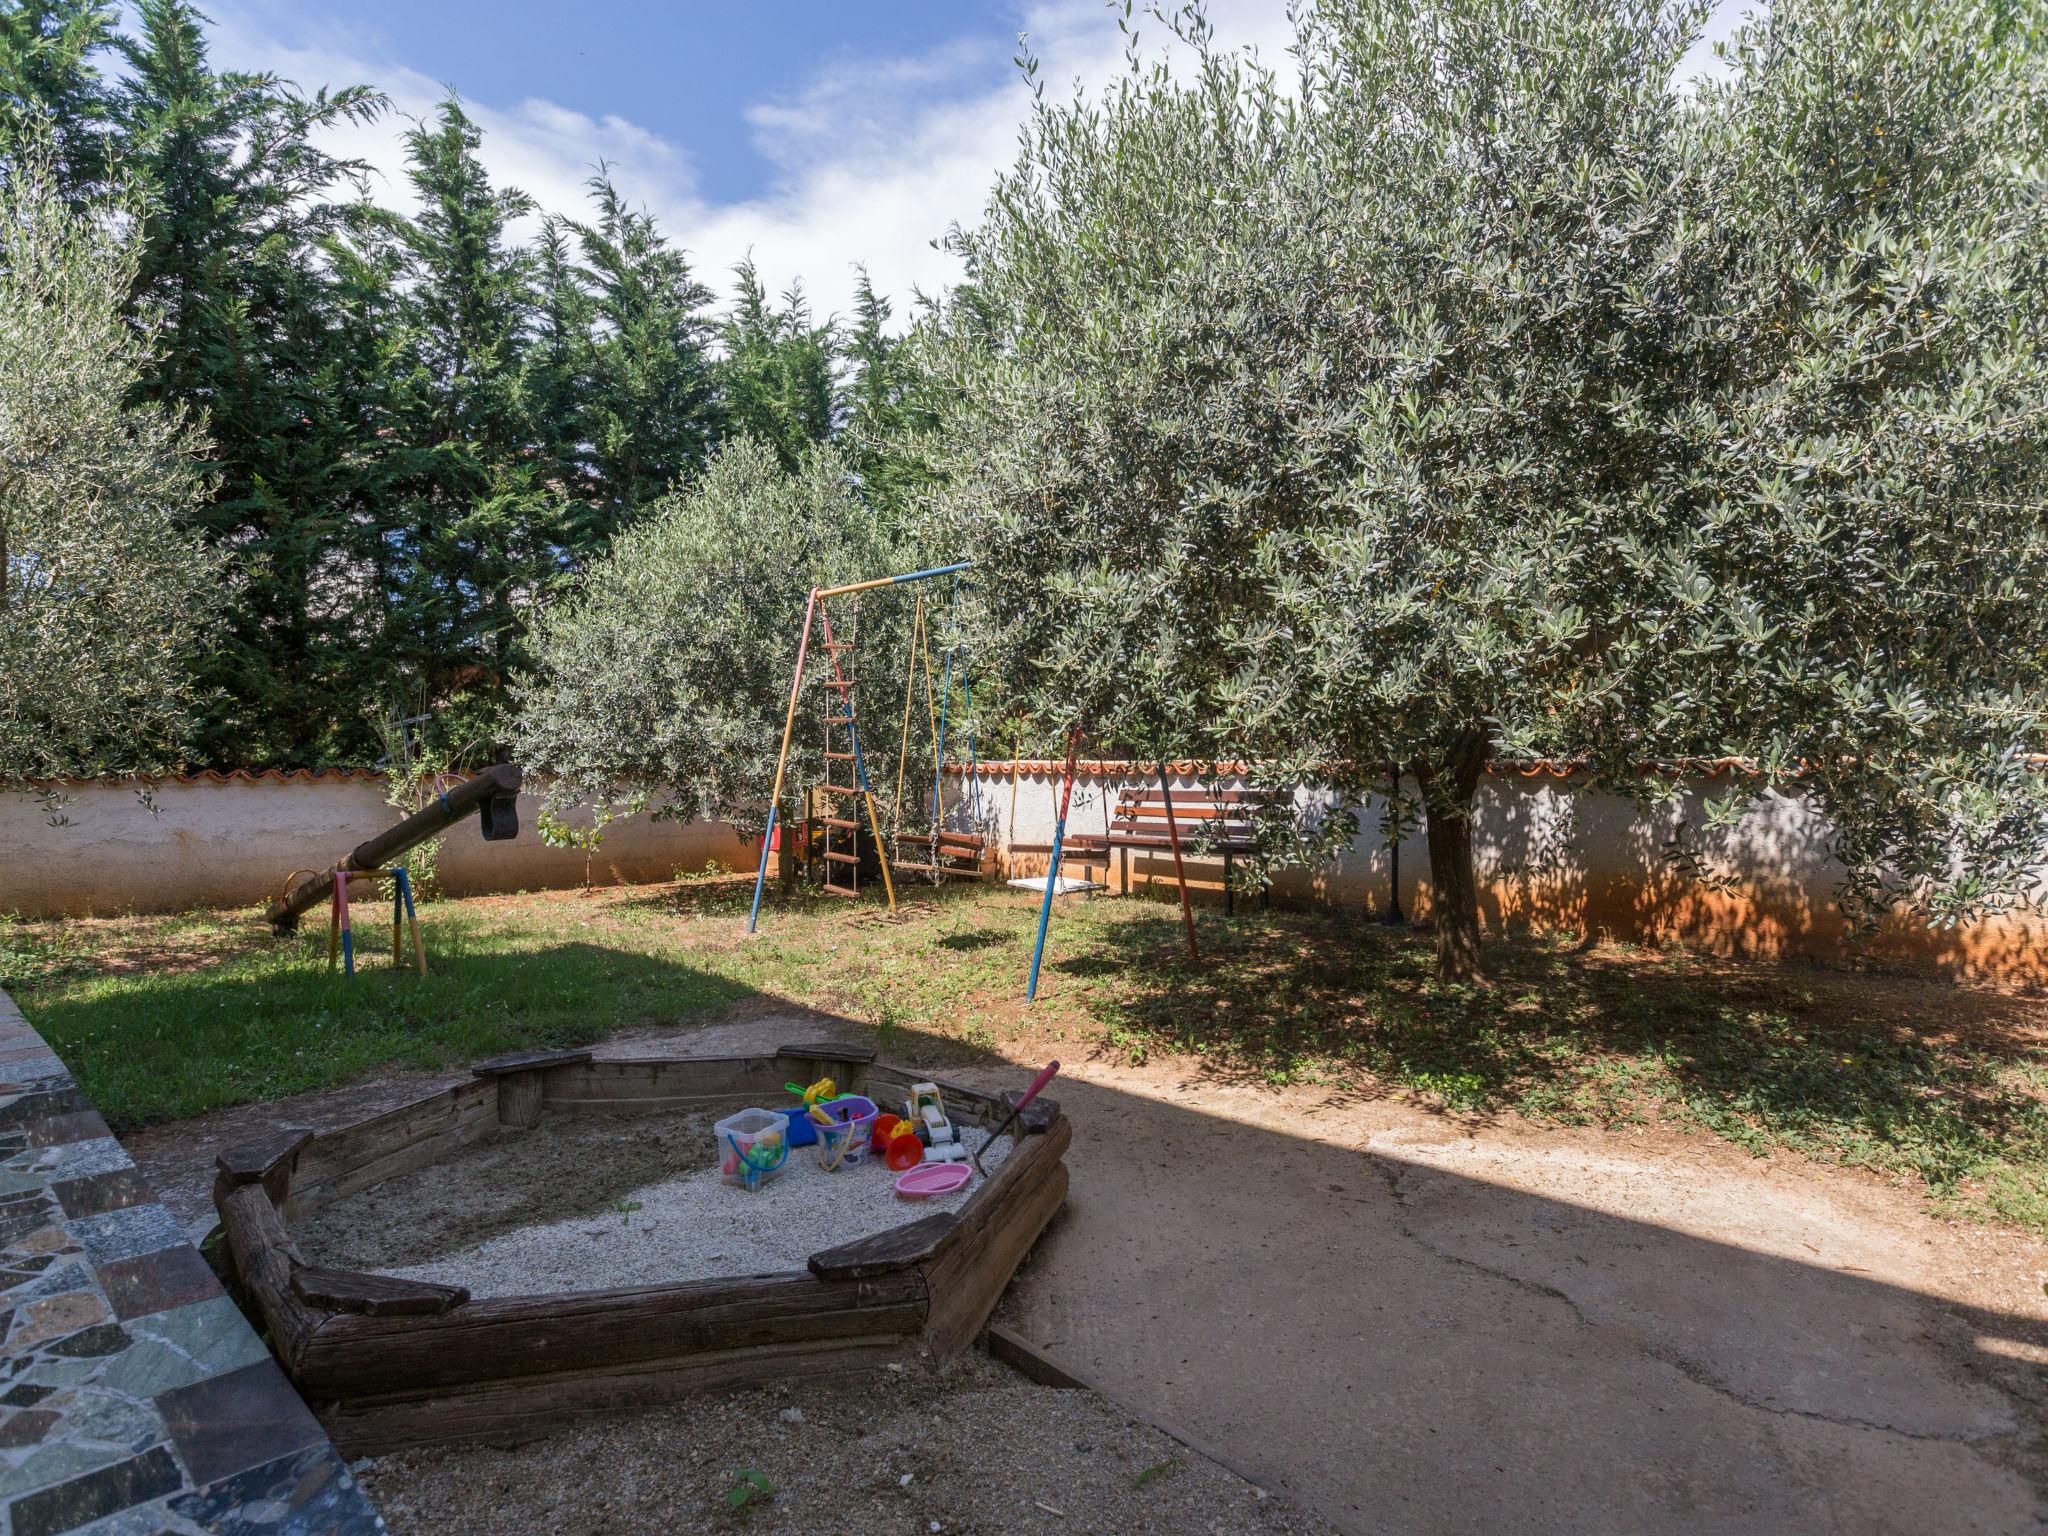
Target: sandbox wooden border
[{"x": 388, "y": 1363}]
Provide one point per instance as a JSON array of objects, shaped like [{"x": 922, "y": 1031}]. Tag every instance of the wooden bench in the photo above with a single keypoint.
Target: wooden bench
[{"x": 1220, "y": 820}]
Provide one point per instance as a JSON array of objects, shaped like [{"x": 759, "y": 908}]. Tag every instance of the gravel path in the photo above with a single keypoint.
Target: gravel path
[
  {"x": 590, "y": 1202},
  {"x": 964, "y": 1449}
]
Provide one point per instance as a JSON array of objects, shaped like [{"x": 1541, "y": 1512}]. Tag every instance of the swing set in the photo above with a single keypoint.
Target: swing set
[
  {"x": 836, "y": 811},
  {"x": 838, "y": 826}
]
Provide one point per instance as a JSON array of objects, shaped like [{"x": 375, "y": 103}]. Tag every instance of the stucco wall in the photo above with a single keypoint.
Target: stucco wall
[
  {"x": 231, "y": 840},
  {"x": 1552, "y": 856}
]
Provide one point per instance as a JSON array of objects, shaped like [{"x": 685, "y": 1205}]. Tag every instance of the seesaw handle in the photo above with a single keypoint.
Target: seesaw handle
[
  {"x": 1038, "y": 1083},
  {"x": 1051, "y": 1070}
]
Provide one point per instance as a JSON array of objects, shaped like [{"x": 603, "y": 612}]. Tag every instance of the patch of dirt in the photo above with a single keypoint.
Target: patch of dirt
[
  {"x": 572, "y": 1165},
  {"x": 964, "y": 1447}
]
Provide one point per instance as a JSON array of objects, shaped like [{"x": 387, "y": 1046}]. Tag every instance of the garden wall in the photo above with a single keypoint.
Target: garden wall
[
  {"x": 1553, "y": 857},
  {"x": 1549, "y": 857},
  {"x": 230, "y": 840}
]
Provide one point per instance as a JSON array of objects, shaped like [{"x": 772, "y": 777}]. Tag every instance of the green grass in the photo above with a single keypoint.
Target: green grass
[{"x": 166, "y": 1017}]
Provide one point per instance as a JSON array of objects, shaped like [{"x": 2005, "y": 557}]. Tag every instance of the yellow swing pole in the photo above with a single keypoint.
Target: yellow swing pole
[{"x": 881, "y": 853}]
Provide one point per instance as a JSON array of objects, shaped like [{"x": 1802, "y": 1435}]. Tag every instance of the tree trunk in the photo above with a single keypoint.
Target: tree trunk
[{"x": 1449, "y": 788}]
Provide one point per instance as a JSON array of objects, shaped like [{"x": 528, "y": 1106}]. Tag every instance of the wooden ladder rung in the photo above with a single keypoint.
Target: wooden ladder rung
[
  {"x": 838, "y": 645},
  {"x": 839, "y": 757},
  {"x": 842, "y": 858},
  {"x": 836, "y": 682},
  {"x": 839, "y": 789},
  {"x": 839, "y": 890},
  {"x": 837, "y": 821}
]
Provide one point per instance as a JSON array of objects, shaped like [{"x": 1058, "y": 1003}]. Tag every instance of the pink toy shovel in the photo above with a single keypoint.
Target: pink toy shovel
[{"x": 1037, "y": 1083}]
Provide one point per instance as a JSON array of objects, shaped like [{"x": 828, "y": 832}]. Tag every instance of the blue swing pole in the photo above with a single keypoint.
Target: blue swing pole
[
  {"x": 412, "y": 917},
  {"x": 1052, "y": 875},
  {"x": 894, "y": 581}
]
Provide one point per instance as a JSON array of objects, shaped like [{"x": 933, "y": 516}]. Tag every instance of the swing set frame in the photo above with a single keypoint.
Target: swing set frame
[{"x": 814, "y": 612}]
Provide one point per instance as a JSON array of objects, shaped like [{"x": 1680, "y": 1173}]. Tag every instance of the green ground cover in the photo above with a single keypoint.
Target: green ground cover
[{"x": 164, "y": 1017}]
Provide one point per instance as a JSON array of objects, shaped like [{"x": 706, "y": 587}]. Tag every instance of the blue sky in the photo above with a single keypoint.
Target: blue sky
[
  {"x": 689, "y": 72},
  {"x": 812, "y": 134}
]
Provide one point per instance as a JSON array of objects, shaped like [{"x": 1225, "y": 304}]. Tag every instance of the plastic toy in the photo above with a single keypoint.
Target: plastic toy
[
  {"x": 824, "y": 1088},
  {"x": 926, "y": 1109},
  {"x": 921, "y": 1183},
  {"x": 904, "y": 1150},
  {"x": 752, "y": 1145},
  {"x": 833, "y": 1141},
  {"x": 804, "y": 1123},
  {"x": 885, "y": 1127}
]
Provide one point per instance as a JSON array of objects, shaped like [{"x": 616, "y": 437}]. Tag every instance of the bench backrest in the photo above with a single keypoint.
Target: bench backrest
[{"x": 1226, "y": 815}]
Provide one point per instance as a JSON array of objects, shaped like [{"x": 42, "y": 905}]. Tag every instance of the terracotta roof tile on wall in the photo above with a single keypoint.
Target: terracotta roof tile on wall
[
  {"x": 232, "y": 776},
  {"x": 1554, "y": 768}
]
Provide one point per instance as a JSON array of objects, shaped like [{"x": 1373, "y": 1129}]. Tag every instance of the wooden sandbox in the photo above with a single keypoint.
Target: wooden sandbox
[{"x": 389, "y": 1362}]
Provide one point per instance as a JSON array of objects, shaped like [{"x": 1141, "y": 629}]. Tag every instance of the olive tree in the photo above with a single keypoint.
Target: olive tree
[
  {"x": 1484, "y": 391},
  {"x": 105, "y": 599},
  {"x": 664, "y": 677},
  {"x": 1864, "y": 462}
]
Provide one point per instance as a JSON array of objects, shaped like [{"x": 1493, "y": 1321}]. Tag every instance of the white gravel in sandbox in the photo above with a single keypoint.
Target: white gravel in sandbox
[{"x": 698, "y": 1227}]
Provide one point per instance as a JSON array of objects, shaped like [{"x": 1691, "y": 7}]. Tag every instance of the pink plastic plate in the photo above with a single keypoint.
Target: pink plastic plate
[{"x": 928, "y": 1179}]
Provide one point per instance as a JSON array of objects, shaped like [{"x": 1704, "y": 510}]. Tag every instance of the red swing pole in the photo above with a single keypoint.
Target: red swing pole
[
  {"x": 796, "y": 688},
  {"x": 1180, "y": 875}
]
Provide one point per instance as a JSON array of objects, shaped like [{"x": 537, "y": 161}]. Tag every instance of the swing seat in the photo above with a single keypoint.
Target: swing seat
[{"x": 962, "y": 855}]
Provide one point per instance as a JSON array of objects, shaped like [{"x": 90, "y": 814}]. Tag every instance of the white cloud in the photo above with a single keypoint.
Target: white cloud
[
  {"x": 546, "y": 150},
  {"x": 873, "y": 158}
]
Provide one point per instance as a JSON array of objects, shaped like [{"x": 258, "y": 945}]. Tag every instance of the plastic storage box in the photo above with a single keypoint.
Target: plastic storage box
[{"x": 752, "y": 1146}]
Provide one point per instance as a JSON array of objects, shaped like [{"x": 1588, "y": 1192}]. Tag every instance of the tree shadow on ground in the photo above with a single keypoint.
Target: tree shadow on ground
[
  {"x": 1945, "y": 1083},
  {"x": 1384, "y": 1333},
  {"x": 978, "y": 939},
  {"x": 1373, "y": 1331},
  {"x": 699, "y": 897},
  {"x": 199, "y": 1041}
]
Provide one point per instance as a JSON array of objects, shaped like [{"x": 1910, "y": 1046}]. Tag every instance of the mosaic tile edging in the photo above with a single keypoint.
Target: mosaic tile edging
[{"x": 135, "y": 1400}]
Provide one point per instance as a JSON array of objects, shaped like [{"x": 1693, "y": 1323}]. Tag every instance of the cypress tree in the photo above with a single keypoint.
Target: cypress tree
[
  {"x": 238, "y": 201},
  {"x": 475, "y": 533},
  {"x": 651, "y": 410},
  {"x": 778, "y": 378},
  {"x": 51, "y": 85}
]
